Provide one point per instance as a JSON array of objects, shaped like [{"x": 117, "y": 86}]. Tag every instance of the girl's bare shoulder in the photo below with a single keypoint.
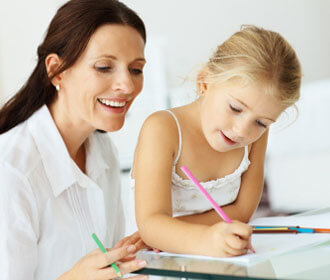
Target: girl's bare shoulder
[{"x": 161, "y": 127}]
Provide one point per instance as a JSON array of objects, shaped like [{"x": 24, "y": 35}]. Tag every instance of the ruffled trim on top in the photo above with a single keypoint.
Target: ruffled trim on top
[{"x": 179, "y": 182}]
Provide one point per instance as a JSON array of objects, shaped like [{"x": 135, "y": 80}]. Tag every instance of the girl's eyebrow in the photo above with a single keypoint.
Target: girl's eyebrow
[{"x": 240, "y": 101}]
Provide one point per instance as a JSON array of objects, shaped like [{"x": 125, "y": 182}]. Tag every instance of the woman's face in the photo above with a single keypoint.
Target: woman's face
[{"x": 99, "y": 88}]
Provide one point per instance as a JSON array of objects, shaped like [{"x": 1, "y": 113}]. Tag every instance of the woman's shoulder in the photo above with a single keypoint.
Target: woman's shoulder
[
  {"x": 17, "y": 158},
  {"x": 18, "y": 148}
]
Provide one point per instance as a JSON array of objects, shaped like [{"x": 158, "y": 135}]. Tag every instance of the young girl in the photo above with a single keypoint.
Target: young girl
[{"x": 221, "y": 137}]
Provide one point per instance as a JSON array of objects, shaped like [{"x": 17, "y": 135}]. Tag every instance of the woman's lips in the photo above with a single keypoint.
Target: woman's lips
[
  {"x": 117, "y": 110},
  {"x": 227, "y": 140}
]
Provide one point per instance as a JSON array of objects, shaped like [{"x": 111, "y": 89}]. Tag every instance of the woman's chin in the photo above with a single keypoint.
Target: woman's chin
[{"x": 111, "y": 128}]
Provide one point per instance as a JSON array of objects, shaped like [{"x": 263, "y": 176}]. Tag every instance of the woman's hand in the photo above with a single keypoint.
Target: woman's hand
[
  {"x": 96, "y": 265},
  {"x": 227, "y": 239},
  {"x": 136, "y": 240},
  {"x": 133, "y": 239}
]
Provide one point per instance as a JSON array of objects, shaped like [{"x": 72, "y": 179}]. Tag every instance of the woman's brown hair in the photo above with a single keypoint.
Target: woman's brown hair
[{"x": 68, "y": 35}]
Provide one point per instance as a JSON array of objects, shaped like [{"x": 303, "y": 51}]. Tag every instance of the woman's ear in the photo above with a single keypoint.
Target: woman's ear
[{"x": 52, "y": 63}]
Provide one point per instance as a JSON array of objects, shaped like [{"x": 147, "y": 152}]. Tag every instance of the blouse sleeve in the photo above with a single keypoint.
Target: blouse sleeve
[
  {"x": 119, "y": 230},
  {"x": 18, "y": 226},
  {"x": 120, "y": 225}
]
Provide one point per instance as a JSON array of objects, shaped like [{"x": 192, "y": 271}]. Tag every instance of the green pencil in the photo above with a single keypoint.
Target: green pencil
[{"x": 100, "y": 245}]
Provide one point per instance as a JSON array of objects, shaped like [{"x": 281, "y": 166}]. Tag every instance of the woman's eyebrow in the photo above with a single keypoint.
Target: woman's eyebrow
[{"x": 142, "y": 59}]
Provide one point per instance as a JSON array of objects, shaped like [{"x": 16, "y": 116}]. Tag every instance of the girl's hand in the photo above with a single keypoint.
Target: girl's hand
[
  {"x": 227, "y": 239},
  {"x": 96, "y": 265}
]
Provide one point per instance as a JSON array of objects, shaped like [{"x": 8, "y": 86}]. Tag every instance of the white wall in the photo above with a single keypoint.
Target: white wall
[
  {"x": 194, "y": 28},
  {"x": 22, "y": 25}
]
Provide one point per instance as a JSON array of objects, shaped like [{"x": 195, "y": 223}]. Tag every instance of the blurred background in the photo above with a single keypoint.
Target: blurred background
[{"x": 181, "y": 36}]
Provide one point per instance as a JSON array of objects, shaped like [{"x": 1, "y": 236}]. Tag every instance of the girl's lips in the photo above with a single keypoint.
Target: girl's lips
[{"x": 227, "y": 140}]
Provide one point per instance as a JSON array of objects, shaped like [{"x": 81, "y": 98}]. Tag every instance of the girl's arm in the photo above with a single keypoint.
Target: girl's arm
[
  {"x": 250, "y": 191},
  {"x": 152, "y": 172},
  {"x": 153, "y": 159}
]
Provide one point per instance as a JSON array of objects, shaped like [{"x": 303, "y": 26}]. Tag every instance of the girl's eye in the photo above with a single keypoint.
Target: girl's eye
[
  {"x": 135, "y": 71},
  {"x": 103, "y": 68},
  {"x": 261, "y": 124},
  {"x": 236, "y": 110}
]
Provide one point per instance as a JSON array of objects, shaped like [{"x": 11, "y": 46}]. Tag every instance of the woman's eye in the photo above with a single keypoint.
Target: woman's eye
[
  {"x": 103, "y": 68},
  {"x": 135, "y": 71},
  {"x": 261, "y": 124},
  {"x": 235, "y": 109}
]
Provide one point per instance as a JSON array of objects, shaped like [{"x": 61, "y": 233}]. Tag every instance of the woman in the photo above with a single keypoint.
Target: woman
[{"x": 59, "y": 174}]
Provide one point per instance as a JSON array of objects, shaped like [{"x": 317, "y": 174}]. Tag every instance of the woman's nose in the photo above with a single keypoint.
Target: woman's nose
[{"x": 123, "y": 82}]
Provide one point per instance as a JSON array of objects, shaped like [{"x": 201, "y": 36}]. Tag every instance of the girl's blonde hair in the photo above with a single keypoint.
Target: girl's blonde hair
[{"x": 254, "y": 54}]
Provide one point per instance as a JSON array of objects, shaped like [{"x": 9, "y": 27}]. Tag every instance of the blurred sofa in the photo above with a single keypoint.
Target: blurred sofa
[{"x": 297, "y": 170}]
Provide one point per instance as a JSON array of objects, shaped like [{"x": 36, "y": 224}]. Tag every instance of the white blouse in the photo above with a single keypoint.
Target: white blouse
[{"x": 48, "y": 207}]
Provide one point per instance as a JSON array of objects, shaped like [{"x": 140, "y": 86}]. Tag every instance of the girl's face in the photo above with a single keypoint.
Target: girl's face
[
  {"x": 99, "y": 88},
  {"x": 233, "y": 115}
]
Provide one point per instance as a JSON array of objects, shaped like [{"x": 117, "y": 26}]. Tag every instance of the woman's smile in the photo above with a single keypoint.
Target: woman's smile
[{"x": 113, "y": 105}]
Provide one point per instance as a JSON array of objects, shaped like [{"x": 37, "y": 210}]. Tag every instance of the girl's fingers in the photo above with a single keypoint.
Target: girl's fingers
[
  {"x": 250, "y": 246},
  {"x": 242, "y": 230},
  {"x": 236, "y": 242},
  {"x": 235, "y": 252},
  {"x": 236, "y": 246}
]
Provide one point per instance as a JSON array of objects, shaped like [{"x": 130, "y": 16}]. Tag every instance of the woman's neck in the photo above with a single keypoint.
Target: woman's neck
[{"x": 73, "y": 132}]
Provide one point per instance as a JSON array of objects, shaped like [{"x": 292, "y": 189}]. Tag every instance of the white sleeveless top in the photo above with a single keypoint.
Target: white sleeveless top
[{"x": 187, "y": 199}]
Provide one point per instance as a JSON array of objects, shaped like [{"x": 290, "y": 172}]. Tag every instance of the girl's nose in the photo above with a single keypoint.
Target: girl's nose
[{"x": 241, "y": 130}]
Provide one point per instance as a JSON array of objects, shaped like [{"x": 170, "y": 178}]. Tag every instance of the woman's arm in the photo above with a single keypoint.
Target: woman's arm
[
  {"x": 18, "y": 226},
  {"x": 250, "y": 190},
  {"x": 19, "y": 231}
]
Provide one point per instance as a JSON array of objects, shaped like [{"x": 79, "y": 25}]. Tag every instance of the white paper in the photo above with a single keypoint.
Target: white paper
[
  {"x": 321, "y": 220},
  {"x": 268, "y": 245}
]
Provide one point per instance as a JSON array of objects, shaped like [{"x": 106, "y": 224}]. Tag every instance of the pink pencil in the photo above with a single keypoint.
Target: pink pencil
[{"x": 206, "y": 194}]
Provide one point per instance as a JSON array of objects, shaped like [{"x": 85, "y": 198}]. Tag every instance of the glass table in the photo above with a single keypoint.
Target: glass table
[{"x": 312, "y": 263}]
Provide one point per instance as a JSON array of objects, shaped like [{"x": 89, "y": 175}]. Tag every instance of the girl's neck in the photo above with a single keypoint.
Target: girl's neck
[{"x": 193, "y": 113}]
